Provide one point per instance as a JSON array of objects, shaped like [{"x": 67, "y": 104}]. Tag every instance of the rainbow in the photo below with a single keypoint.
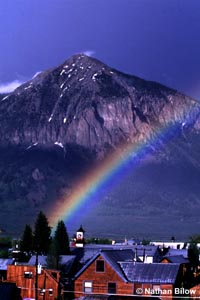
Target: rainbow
[{"x": 114, "y": 168}]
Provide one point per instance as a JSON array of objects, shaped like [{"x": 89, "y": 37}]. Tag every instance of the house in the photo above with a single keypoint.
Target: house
[
  {"x": 66, "y": 262},
  {"x": 170, "y": 244},
  {"x": 102, "y": 274},
  {"x": 116, "y": 272},
  {"x": 4, "y": 262},
  {"x": 68, "y": 265},
  {"x": 178, "y": 259},
  {"x": 177, "y": 252},
  {"x": 49, "y": 281},
  {"x": 184, "y": 265},
  {"x": 148, "y": 254},
  {"x": 25, "y": 278},
  {"x": 9, "y": 291},
  {"x": 153, "y": 279}
]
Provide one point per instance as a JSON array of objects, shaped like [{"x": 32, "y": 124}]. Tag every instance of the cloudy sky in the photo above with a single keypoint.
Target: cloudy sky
[{"x": 153, "y": 39}]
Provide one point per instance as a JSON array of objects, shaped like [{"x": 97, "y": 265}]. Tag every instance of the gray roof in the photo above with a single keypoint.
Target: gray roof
[
  {"x": 65, "y": 260},
  {"x": 89, "y": 250},
  {"x": 179, "y": 259},
  {"x": 147, "y": 250},
  {"x": 41, "y": 260},
  {"x": 150, "y": 273},
  {"x": 113, "y": 257},
  {"x": 87, "y": 265},
  {"x": 84, "y": 254},
  {"x": 4, "y": 262},
  {"x": 175, "y": 252}
]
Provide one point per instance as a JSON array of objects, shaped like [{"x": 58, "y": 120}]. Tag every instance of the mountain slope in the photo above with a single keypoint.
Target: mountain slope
[{"x": 67, "y": 118}]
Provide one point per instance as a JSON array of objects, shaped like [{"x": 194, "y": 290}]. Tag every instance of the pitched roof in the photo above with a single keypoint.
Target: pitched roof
[
  {"x": 4, "y": 262},
  {"x": 41, "y": 260},
  {"x": 174, "y": 252},
  {"x": 81, "y": 229},
  {"x": 147, "y": 250},
  {"x": 89, "y": 250},
  {"x": 65, "y": 260},
  {"x": 150, "y": 273},
  {"x": 84, "y": 254},
  {"x": 179, "y": 259},
  {"x": 87, "y": 265},
  {"x": 113, "y": 257}
]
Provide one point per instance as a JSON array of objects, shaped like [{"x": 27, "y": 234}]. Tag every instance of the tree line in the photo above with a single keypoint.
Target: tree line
[{"x": 41, "y": 241}]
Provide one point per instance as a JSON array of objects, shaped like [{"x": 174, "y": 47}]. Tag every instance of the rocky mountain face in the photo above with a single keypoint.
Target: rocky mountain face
[{"x": 67, "y": 118}]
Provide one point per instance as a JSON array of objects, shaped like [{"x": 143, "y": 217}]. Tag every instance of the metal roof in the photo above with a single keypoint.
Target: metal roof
[
  {"x": 4, "y": 262},
  {"x": 147, "y": 250},
  {"x": 87, "y": 265},
  {"x": 179, "y": 259},
  {"x": 113, "y": 257},
  {"x": 65, "y": 260},
  {"x": 150, "y": 273},
  {"x": 41, "y": 260},
  {"x": 89, "y": 250},
  {"x": 174, "y": 252},
  {"x": 83, "y": 255}
]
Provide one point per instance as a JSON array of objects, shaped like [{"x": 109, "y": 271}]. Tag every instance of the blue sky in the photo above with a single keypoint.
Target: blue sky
[{"x": 153, "y": 39}]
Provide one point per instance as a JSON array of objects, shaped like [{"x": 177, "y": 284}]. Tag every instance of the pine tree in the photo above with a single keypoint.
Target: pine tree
[
  {"x": 53, "y": 259},
  {"x": 42, "y": 234},
  {"x": 61, "y": 239},
  {"x": 27, "y": 240}
]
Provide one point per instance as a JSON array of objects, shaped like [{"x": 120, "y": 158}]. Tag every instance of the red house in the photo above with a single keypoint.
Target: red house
[
  {"x": 117, "y": 272},
  {"x": 25, "y": 279}
]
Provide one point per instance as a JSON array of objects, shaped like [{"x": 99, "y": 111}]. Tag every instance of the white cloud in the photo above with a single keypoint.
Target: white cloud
[
  {"x": 89, "y": 52},
  {"x": 8, "y": 87}
]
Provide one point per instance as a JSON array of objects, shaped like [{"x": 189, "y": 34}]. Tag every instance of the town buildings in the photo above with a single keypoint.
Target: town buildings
[{"x": 118, "y": 271}]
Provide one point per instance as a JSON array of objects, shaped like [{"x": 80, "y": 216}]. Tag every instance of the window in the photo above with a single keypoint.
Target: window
[
  {"x": 42, "y": 292},
  {"x": 88, "y": 286},
  {"x": 112, "y": 288},
  {"x": 50, "y": 292},
  {"x": 28, "y": 275},
  {"x": 100, "y": 266}
]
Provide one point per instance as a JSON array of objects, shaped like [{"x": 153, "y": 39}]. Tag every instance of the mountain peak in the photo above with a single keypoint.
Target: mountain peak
[
  {"x": 82, "y": 58},
  {"x": 88, "y": 104},
  {"x": 56, "y": 125}
]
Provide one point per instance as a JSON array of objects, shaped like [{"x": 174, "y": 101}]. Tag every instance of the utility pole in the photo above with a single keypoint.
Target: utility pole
[
  {"x": 36, "y": 276},
  {"x": 44, "y": 296}
]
